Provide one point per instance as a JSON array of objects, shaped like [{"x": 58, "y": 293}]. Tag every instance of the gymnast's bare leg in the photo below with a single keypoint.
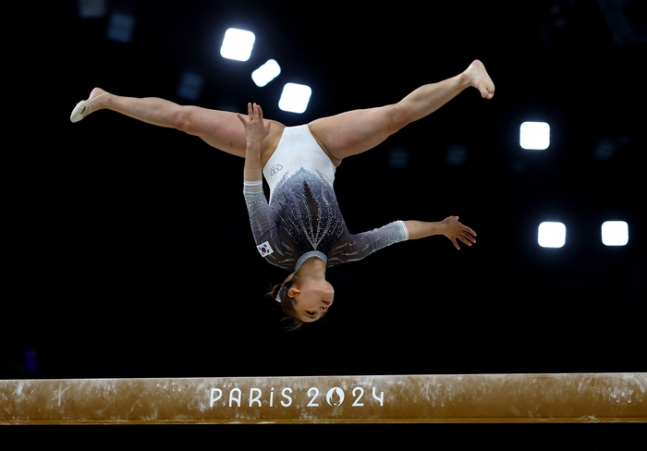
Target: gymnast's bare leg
[
  {"x": 357, "y": 131},
  {"x": 341, "y": 136},
  {"x": 219, "y": 129}
]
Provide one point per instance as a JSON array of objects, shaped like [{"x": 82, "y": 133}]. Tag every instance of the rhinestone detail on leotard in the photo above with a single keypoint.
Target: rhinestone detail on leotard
[{"x": 304, "y": 216}]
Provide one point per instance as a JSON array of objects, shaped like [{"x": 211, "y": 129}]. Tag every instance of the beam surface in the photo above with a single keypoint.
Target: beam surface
[{"x": 477, "y": 398}]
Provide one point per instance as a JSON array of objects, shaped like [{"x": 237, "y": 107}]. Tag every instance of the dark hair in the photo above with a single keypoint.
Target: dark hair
[{"x": 280, "y": 290}]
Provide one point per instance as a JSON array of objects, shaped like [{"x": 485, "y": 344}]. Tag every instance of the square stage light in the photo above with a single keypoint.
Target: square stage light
[
  {"x": 534, "y": 135},
  {"x": 295, "y": 98},
  {"x": 190, "y": 87},
  {"x": 456, "y": 155},
  {"x": 398, "y": 157},
  {"x": 237, "y": 44},
  {"x": 121, "y": 27},
  {"x": 266, "y": 73},
  {"x": 615, "y": 233},
  {"x": 89, "y": 9},
  {"x": 551, "y": 234}
]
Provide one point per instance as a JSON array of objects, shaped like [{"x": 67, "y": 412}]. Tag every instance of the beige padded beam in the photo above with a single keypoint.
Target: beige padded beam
[{"x": 485, "y": 398}]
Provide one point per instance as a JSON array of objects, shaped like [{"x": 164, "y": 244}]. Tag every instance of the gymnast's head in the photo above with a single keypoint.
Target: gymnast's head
[{"x": 303, "y": 299}]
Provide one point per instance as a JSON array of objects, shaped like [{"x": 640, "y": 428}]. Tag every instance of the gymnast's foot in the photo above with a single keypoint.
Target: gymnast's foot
[
  {"x": 478, "y": 77},
  {"x": 85, "y": 107}
]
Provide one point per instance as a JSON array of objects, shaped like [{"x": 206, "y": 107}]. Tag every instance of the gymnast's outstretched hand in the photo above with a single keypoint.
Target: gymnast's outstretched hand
[
  {"x": 456, "y": 231},
  {"x": 255, "y": 127},
  {"x": 449, "y": 227}
]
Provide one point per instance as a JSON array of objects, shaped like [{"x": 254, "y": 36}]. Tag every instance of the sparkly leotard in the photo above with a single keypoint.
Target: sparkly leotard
[{"x": 303, "y": 219}]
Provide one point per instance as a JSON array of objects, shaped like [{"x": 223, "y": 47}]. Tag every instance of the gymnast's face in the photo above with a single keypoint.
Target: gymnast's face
[{"x": 312, "y": 299}]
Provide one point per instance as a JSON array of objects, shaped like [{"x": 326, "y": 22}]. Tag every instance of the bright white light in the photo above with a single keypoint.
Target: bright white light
[
  {"x": 551, "y": 234},
  {"x": 295, "y": 98},
  {"x": 237, "y": 44},
  {"x": 534, "y": 135},
  {"x": 266, "y": 73},
  {"x": 615, "y": 233}
]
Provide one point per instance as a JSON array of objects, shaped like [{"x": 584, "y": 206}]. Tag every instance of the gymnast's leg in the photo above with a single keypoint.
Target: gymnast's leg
[
  {"x": 357, "y": 131},
  {"x": 219, "y": 129}
]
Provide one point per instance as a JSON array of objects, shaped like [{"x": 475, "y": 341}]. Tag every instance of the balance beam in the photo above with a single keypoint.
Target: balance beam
[{"x": 476, "y": 398}]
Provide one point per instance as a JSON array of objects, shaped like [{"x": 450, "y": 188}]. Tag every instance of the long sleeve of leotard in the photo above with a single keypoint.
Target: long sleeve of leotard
[
  {"x": 356, "y": 247},
  {"x": 264, "y": 228}
]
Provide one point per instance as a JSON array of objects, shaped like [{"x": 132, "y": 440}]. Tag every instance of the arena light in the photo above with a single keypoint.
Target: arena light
[
  {"x": 89, "y": 9},
  {"x": 295, "y": 98},
  {"x": 121, "y": 27},
  {"x": 30, "y": 361},
  {"x": 266, "y": 73},
  {"x": 398, "y": 157},
  {"x": 190, "y": 87},
  {"x": 627, "y": 20},
  {"x": 534, "y": 135},
  {"x": 237, "y": 44},
  {"x": 456, "y": 155},
  {"x": 551, "y": 234},
  {"x": 615, "y": 233},
  {"x": 604, "y": 149}
]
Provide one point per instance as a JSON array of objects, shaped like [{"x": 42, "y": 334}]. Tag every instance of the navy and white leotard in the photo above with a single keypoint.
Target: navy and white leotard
[{"x": 303, "y": 219}]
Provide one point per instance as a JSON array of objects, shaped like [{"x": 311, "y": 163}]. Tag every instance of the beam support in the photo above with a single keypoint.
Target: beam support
[{"x": 476, "y": 398}]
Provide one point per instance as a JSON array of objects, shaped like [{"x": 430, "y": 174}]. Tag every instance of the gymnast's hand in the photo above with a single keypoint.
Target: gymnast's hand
[
  {"x": 255, "y": 128},
  {"x": 456, "y": 231}
]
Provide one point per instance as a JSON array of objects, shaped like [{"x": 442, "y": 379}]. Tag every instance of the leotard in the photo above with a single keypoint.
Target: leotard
[{"x": 302, "y": 219}]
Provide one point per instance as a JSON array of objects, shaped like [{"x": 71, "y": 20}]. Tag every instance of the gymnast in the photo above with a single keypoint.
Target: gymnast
[{"x": 301, "y": 228}]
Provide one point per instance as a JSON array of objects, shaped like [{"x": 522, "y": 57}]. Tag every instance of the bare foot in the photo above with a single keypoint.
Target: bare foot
[{"x": 479, "y": 78}]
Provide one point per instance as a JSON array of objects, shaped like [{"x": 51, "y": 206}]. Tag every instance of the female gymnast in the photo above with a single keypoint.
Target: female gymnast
[{"x": 301, "y": 228}]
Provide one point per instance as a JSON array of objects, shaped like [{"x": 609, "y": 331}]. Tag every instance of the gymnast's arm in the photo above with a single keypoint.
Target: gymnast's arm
[
  {"x": 449, "y": 227},
  {"x": 356, "y": 247},
  {"x": 255, "y": 131},
  {"x": 352, "y": 248},
  {"x": 261, "y": 216}
]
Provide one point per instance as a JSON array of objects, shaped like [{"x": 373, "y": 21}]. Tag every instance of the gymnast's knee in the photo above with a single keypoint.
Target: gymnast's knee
[
  {"x": 182, "y": 120},
  {"x": 398, "y": 118}
]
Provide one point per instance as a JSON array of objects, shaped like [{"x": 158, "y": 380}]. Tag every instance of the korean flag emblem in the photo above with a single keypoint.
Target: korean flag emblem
[{"x": 265, "y": 249}]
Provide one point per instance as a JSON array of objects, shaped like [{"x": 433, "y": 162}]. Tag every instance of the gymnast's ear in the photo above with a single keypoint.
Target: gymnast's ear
[{"x": 292, "y": 292}]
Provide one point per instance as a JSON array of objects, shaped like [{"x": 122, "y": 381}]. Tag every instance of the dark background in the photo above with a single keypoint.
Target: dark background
[{"x": 126, "y": 249}]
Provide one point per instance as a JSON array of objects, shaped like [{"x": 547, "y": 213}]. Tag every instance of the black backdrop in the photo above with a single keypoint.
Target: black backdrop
[{"x": 126, "y": 248}]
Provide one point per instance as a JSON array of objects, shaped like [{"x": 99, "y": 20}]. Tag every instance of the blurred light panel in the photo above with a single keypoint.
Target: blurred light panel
[
  {"x": 266, "y": 73},
  {"x": 237, "y": 45},
  {"x": 190, "y": 86},
  {"x": 615, "y": 233},
  {"x": 534, "y": 135},
  {"x": 551, "y": 234},
  {"x": 30, "y": 361},
  {"x": 295, "y": 98},
  {"x": 398, "y": 157},
  {"x": 121, "y": 27},
  {"x": 604, "y": 149},
  {"x": 89, "y": 9},
  {"x": 456, "y": 155}
]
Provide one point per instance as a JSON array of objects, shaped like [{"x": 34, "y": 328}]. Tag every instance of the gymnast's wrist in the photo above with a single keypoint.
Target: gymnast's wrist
[
  {"x": 252, "y": 174},
  {"x": 253, "y": 146}
]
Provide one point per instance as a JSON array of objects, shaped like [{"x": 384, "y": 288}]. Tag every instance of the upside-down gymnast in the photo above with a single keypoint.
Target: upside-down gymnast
[{"x": 301, "y": 228}]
